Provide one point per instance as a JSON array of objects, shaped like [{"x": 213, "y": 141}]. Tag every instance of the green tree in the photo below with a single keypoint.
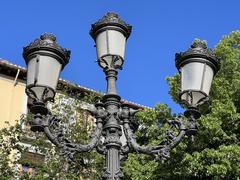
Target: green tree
[
  {"x": 54, "y": 166},
  {"x": 8, "y": 147},
  {"x": 87, "y": 165},
  {"x": 215, "y": 152}
]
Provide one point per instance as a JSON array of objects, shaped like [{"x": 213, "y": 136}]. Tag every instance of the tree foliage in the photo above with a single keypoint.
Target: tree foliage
[
  {"x": 215, "y": 152},
  {"x": 77, "y": 126},
  {"x": 8, "y": 145}
]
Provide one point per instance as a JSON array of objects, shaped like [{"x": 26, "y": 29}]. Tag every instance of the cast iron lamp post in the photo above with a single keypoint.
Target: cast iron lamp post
[{"x": 45, "y": 59}]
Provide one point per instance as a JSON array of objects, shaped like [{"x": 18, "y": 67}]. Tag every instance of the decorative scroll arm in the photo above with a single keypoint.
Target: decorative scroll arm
[
  {"x": 54, "y": 132},
  {"x": 174, "y": 140},
  {"x": 174, "y": 135},
  {"x": 51, "y": 126},
  {"x": 132, "y": 143},
  {"x": 161, "y": 151},
  {"x": 56, "y": 136}
]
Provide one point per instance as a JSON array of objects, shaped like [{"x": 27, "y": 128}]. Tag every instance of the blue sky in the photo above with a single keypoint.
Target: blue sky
[{"x": 160, "y": 29}]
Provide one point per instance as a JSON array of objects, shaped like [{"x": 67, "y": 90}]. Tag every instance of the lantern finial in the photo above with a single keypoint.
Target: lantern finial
[
  {"x": 197, "y": 43},
  {"x": 48, "y": 36}
]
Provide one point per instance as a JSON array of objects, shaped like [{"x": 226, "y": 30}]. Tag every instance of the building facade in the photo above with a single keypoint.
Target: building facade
[{"x": 13, "y": 101}]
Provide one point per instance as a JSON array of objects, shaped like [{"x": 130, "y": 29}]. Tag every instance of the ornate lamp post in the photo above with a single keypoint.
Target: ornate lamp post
[{"x": 45, "y": 59}]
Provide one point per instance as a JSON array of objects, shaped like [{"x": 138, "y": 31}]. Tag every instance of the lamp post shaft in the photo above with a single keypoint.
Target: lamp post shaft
[
  {"x": 112, "y": 132},
  {"x": 111, "y": 77}
]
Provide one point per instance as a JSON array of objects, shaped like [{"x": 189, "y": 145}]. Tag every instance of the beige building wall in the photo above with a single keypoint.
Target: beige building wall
[{"x": 13, "y": 101}]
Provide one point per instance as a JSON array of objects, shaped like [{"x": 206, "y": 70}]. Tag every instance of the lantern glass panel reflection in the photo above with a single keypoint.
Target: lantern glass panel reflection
[
  {"x": 110, "y": 42},
  {"x": 42, "y": 76},
  {"x": 196, "y": 81}
]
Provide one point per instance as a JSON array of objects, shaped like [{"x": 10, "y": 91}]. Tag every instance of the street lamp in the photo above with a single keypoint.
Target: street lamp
[
  {"x": 45, "y": 59},
  {"x": 197, "y": 67}
]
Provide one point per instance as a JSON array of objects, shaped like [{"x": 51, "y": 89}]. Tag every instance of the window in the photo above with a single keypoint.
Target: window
[
  {"x": 25, "y": 168},
  {"x": 29, "y": 162}
]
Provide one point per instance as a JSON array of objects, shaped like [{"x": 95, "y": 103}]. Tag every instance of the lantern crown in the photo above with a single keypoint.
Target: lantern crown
[
  {"x": 47, "y": 42},
  {"x": 110, "y": 21},
  {"x": 198, "y": 49}
]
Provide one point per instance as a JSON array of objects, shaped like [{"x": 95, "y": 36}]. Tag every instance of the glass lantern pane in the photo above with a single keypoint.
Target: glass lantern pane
[
  {"x": 197, "y": 76},
  {"x": 44, "y": 71},
  {"x": 192, "y": 74},
  {"x": 207, "y": 80},
  {"x": 101, "y": 43},
  {"x": 31, "y": 68},
  {"x": 110, "y": 42},
  {"x": 196, "y": 80},
  {"x": 49, "y": 70},
  {"x": 116, "y": 41},
  {"x": 42, "y": 77}
]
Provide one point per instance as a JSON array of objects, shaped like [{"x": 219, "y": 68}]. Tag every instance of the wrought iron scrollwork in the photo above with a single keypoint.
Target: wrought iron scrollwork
[
  {"x": 51, "y": 126},
  {"x": 173, "y": 136},
  {"x": 111, "y": 117}
]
